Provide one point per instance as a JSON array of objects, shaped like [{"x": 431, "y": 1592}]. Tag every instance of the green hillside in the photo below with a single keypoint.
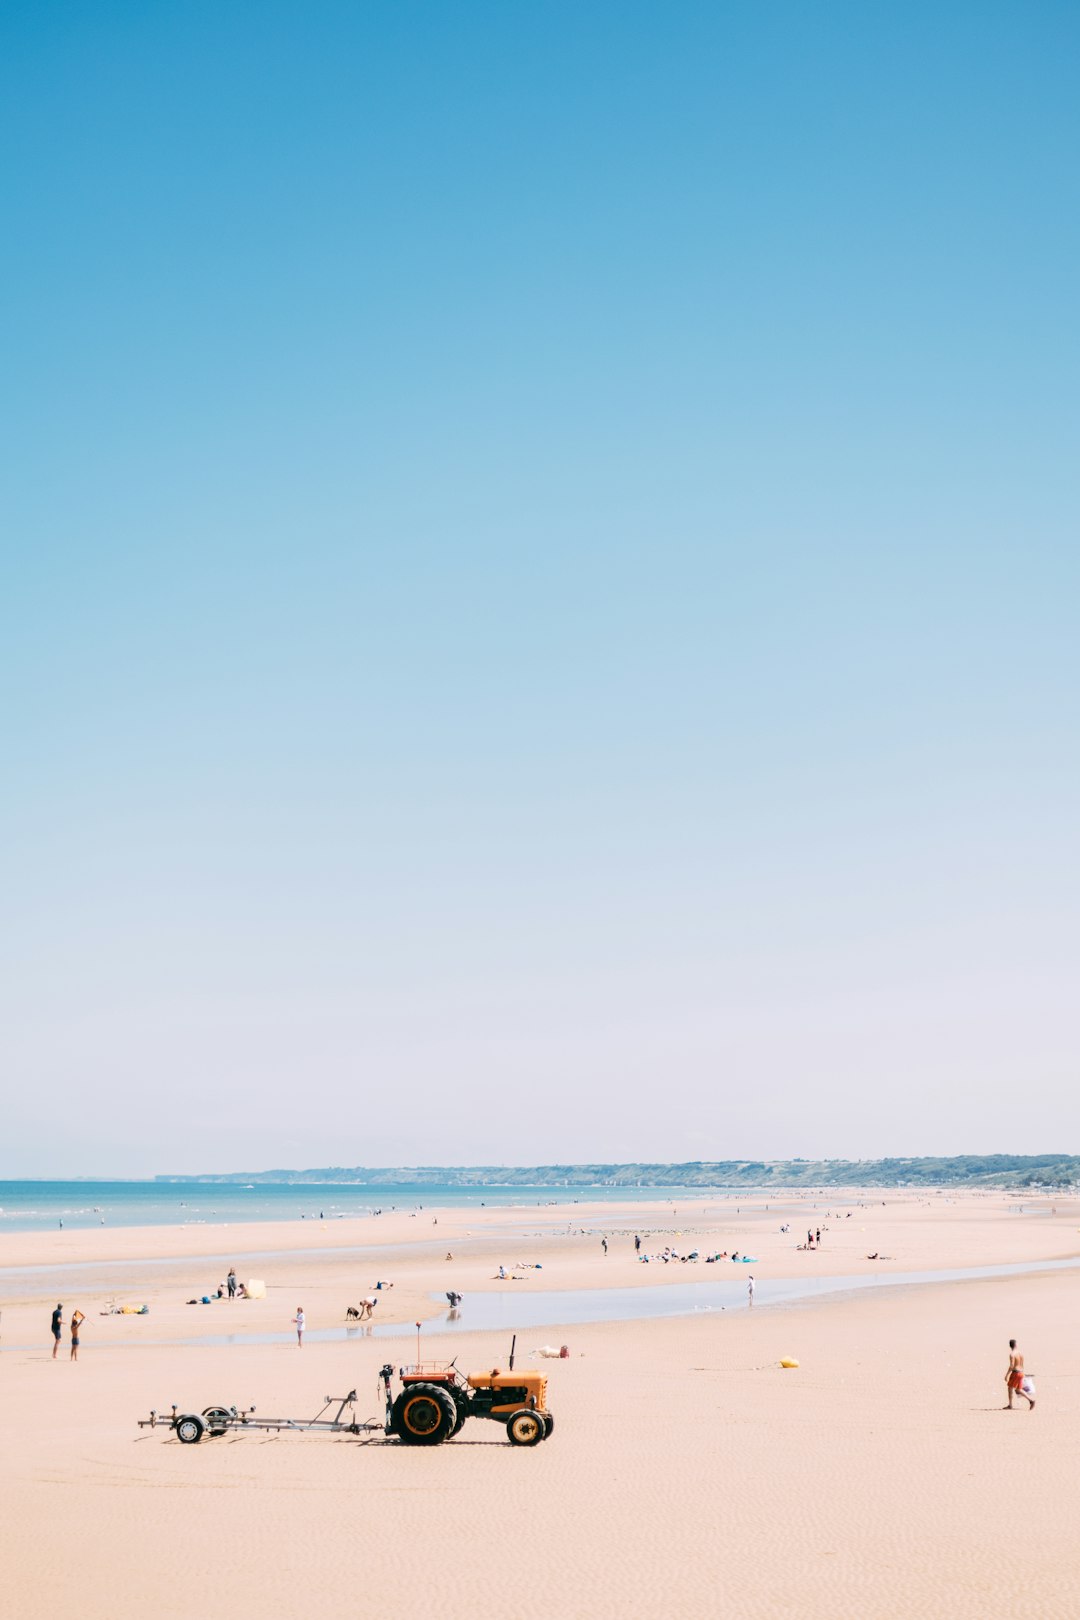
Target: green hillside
[{"x": 990, "y": 1170}]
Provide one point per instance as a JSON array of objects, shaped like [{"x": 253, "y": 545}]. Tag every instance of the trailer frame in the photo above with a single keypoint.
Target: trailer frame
[{"x": 214, "y": 1421}]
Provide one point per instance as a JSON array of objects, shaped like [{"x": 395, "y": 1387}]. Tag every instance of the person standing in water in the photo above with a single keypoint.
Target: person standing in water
[
  {"x": 1014, "y": 1377},
  {"x": 300, "y": 1325},
  {"x": 750, "y": 1290}
]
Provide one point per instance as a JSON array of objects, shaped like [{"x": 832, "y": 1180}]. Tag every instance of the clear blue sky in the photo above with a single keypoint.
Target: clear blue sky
[{"x": 541, "y": 582}]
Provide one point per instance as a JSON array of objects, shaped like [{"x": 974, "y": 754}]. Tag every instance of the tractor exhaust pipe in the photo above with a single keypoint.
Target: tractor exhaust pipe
[{"x": 513, "y": 1343}]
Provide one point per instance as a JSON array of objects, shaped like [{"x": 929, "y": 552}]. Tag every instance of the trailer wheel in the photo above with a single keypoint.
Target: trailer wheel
[
  {"x": 549, "y": 1424},
  {"x": 423, "y": 1415},
  {"x": 525, "y": 1428},
  {"x": 217, "y": 1420},
  {"x": 190, "y": 1429}
]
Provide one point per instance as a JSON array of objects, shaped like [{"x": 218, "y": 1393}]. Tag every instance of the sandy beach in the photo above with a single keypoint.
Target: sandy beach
[{"x": 689, "y": 1475}]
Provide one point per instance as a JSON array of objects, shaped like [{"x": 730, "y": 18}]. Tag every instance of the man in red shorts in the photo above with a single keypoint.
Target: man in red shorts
[{"x": 1014, "y": 1377}]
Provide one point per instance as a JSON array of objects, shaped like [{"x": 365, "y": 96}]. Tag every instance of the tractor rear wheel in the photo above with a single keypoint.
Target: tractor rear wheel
[
  {"x": 423, "y": 1415},
  {"x": 525, "y": 1428},
  {"x": 190, "y": 1429}
]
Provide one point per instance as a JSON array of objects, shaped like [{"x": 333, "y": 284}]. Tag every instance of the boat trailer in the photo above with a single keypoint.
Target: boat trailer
[{"x": 191, "y": 1427}]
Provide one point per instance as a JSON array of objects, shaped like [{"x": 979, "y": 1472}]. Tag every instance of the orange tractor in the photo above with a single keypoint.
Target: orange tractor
[{"x": 435, "y": 1400}]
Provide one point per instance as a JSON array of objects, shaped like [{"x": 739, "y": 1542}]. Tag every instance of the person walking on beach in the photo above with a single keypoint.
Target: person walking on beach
[
  {"x": 603, "y": 1244},
  {"x": 77, "y": 1320},
  {"x": 1014, "y": 1377},
  {"x": 637, "y": 1243},
  {"x": 57, "y": 1329},
  {"x": 750, "y": 1290},
  {"x": 300, "y": 1325}
]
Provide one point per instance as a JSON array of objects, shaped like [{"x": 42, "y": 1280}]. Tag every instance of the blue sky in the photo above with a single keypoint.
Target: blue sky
[{"x": 540, "y": 555}]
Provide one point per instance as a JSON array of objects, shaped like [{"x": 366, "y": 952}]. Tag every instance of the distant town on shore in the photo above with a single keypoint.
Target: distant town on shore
[{"x": 1047, "y": 1170}]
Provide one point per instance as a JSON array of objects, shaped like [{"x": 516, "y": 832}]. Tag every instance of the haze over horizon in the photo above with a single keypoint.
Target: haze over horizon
[{"x": 540, "y": 611}]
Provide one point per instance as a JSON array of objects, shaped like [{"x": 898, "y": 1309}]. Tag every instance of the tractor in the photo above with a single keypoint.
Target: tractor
[{"x": 435, "y": 1399}]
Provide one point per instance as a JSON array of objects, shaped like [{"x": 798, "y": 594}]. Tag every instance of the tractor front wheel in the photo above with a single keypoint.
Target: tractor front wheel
[
  {"x": 423, "y": 1415},
  {"x": 525, "y": 1428}
]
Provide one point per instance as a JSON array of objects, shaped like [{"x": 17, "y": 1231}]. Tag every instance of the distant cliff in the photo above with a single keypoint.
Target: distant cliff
[{"x": 991, "y": 1170}]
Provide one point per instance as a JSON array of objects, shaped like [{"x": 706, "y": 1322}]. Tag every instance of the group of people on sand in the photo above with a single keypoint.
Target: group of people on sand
[
  {"x": 57, "y": 1328},
  {"x": 813, "y": 1239},
  {"x": 229, "y": 1289},
  {"x": 361, "y": 1312},
  {"x": 666, "y": 1255}
]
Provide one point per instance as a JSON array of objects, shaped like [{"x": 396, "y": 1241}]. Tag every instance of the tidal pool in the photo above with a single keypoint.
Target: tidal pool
[{"x": 513, "y": 1309}]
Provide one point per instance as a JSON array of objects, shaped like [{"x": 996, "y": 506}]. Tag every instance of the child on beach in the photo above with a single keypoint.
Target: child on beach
[{"x": 300, "y": 1325}]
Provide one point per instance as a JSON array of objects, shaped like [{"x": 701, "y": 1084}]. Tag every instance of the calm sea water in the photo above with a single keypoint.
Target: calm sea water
[{"x": 28, "y": 1206}]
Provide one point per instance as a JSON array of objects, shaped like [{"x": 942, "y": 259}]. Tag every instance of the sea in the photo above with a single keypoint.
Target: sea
[{"x": 38, "y": 1206}]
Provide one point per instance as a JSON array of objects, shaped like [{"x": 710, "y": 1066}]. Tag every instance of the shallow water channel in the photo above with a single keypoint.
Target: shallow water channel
[{"x": 512, "y": 1309}]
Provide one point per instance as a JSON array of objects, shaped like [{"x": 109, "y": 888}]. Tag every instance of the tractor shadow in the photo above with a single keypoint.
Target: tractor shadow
[{"x": 383, "y": 1441}]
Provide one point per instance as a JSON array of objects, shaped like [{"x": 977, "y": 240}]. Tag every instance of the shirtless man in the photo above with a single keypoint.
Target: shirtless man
[{"x": 1014, "y": 1377}]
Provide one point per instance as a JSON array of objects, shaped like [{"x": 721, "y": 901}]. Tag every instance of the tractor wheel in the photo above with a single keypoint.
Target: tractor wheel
[
  {"x": 423, "y": 1415},
  {"x": 549, "y": 1424},
  {"x": 217, "y": 1420},
  {"x": 190, "y": 1429},
  {"x": 525, "y": 1428}
]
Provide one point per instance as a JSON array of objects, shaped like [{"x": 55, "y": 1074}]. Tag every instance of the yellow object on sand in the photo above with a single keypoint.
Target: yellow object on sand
[
  {"x": 255, "y": 1288},
  {"x": 789, "y": 1361}
]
